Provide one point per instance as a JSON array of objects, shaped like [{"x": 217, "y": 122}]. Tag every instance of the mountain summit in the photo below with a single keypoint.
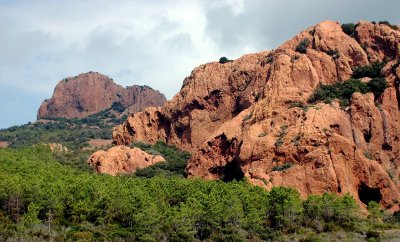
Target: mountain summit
[
  {"x": 320, "y": 114},
  {"x": 92, "y": 92}
]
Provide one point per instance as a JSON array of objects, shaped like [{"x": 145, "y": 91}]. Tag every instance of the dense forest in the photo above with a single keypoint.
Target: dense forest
[
  {"x": 54, "y": 195},
  {"x": 44, "y": 199}
]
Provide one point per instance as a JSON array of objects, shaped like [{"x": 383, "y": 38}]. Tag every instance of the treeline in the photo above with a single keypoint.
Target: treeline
[
  {"x": 41, "y": 199},
  {"x": 72, "y": 133}
]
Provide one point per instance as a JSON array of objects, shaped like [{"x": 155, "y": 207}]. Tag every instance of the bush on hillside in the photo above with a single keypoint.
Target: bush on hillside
[
  {"x": 303, "y": 45},
  {"x": 224, "y": 60},
  {"x": 394, "y": 27},
  {"x": 349, "y": 29},
  {"x": 344, "y": 90},
  {"x": 372, "y": 71},
  {"x": 117, "y": 106},
  {"x": 174, "y": 165}
]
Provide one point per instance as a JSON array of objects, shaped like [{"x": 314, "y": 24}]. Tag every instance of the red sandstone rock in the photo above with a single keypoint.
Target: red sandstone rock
[
  {"x": 122, "y": 160},
  {"x": 90, "y": 93},
  {"x": 238, "y": 118}
]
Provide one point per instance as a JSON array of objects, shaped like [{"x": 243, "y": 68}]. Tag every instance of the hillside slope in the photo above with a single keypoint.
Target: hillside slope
[{"x": 252, "y": 117}]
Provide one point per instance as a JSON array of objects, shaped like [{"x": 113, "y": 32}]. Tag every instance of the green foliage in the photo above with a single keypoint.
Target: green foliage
[
  {"x": 72, "y": 133},
  {"x": 372, "y": 71},
  {"x": 344, "y": 90},
  {"x": 262, "y": 134},
  {"x": 37, "y": 191},
  {"x": 41, "y": 200},
  {"x": 368, "y": 155},
  {"x": 375, "y": 211},
  {"x": 330, "y": 210},
  {"x": 282, "y": 133},
  {"x": 117, "y": 106},
  {"x": 303, "y": 45},
  {"x": 224, "y": 60},
  {"x": 334, "y": 53},
  {"x": 282, "y": 167},
  {"x": 377, "y": 86},
  {"x": 247, "y": 117},
  {"x": 394, "y": 27},
  {"x": 285, "y": 208},
  {"x": 174, "y": 165},
  {"x": 349, "y": 29}
]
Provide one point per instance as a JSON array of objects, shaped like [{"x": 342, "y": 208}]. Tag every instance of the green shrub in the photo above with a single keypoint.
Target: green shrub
[
  {"x": 224, "y": 60},
  {"x": 262, "y": 134},
  {"x": 72, "y": 133},
  {"x": 377, "y": 86},
  {"x": 368, "y": 155},
  {"x": 344, "y": 90},
  {"x": 375, "y": 211},
  {"x": 394, "y": 27},
  {"x": 282, "y": 167},
  {"x": 285, "y": 208},
  {"x": 174, "y": 165},
  {"x": 117, "y": 106},
  {"x": 303, "y": 45},
  {"x": 372, "y": 71},
  {"x": 297, "y": 105},
  {"x": 334, "y": 53},
  {"x": 349, "y": 29},
  {"x": 247, "y": 117}
]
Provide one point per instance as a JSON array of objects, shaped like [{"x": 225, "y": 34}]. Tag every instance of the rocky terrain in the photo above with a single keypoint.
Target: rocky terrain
[
  {"x": 92, "y": 92},
  {"x": 121, "y": 159},
  {"x": 253, "y": 117}
]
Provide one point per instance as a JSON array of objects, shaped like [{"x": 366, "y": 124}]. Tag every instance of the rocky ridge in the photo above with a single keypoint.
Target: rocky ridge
[
  {"x": 243, "y": 118},
  {"x": 92, "y": 92}
]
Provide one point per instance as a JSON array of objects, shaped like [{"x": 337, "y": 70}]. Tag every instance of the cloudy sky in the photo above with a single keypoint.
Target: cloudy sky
[{"x": 156, "y": 43}]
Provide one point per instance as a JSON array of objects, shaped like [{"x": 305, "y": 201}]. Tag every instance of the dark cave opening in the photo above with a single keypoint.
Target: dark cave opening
[
  {"x": 368, "y": 194},
  {"x": 232, "y": 171},
  {"x": 367, "y": 136},
  {"x": 386, "y": 146}
]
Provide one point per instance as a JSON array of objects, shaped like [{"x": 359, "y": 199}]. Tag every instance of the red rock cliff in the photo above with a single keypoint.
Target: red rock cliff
[
  {"x": 238, "y": 118},
  {"x": 89, "y": 93}
]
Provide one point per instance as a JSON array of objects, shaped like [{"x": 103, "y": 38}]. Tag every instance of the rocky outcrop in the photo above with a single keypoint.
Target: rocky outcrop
[
  {"x": 122, "y": 160},
  {"x": 251, "y": 118},
  {"x": 90, "y": 93}
]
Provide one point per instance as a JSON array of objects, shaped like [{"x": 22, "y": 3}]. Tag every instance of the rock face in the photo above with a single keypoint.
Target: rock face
[
  {"x": 122, "y": 160},
  {"x": 250, "y": 117},
  {"x": 90, "y": 93}
]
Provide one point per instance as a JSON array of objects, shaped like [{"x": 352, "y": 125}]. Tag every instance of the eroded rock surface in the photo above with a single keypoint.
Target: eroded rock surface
[
  {"x": 122, "y": 160},
  {"x": 250, "y": 117},
  {"x": 90, "y": 93}
]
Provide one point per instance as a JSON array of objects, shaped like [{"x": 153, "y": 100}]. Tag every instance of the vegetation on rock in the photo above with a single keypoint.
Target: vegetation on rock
[
  {"x": 394, "y": 27},
  {"x": 344, "y": 90},
  {"x": 302, "y": 46},
  {"x": 174, "y": 165},
  {"x": 73, "y": 133},
  {"x": 372, "y": 71},
  {"x": 224, "y": 60},
  {"x": 41, "y": 199},
  {"x": 349, "y": 29}
]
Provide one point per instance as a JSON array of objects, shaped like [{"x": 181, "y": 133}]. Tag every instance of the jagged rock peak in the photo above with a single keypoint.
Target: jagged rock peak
[
  {"x": 252, "y": 117},
  {"x": 92, "y": 92}
]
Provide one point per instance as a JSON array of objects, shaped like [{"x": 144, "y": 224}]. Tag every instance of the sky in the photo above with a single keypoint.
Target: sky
[{"x": 155, "y": 43}]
